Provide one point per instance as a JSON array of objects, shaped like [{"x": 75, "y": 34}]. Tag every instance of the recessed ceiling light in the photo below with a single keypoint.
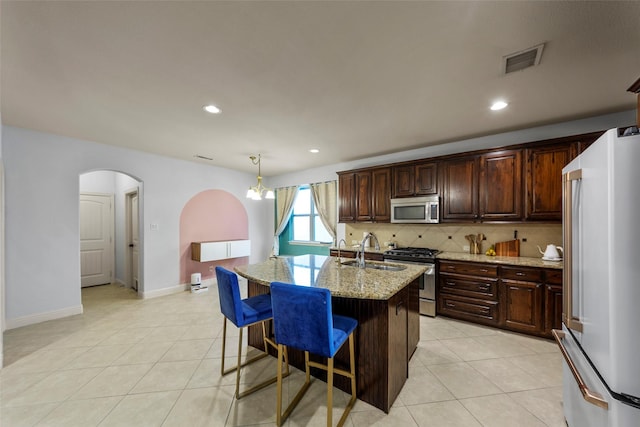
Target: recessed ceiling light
[
  {"x": 212, "y": 109},
  {"x": 314, "y": 150},
  {"x": 498, "y": 105}
]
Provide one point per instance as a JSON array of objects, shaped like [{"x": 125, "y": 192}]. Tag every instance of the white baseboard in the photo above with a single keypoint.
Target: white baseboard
[
  {"x": 43, "y": 317},
  {"x": 175, "y": 289},
  {"x": 164, "y": 291}
]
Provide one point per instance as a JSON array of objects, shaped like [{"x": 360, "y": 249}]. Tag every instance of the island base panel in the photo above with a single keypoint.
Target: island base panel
[{"x": 383, "y": 345}]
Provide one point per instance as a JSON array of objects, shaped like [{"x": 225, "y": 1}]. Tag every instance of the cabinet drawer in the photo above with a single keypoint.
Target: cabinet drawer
[
  {"x": 553, "y": 277},
  {"x": 470, "y": 268},
  {"x": 525, "y": 274},
  {"x": 470, "y": 287},
  {"x": 473, "y": 309}
]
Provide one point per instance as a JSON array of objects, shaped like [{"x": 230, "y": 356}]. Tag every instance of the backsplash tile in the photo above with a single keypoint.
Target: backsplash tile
[{"x": 450, "y": 237}]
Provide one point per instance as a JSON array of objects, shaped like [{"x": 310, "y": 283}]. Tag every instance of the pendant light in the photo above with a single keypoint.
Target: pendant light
[{"x": 256, "y": 191}]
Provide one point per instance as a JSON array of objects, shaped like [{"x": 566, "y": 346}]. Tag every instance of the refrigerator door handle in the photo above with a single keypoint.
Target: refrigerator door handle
[
  {"x": 588, "y": 395},
  {"x": 568, "y": 223}
]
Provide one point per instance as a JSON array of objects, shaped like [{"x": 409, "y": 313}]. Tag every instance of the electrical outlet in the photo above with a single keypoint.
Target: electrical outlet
[
  {"x": 465, "y": 248},
  {"x": 355, "y": 242}
]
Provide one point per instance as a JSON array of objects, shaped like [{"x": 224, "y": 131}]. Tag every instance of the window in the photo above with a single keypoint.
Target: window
[{"x": 305, "y": 222}]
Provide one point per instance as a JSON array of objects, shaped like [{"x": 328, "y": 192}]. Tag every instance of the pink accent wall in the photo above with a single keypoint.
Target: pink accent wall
[{"x": 212, "y": 215}]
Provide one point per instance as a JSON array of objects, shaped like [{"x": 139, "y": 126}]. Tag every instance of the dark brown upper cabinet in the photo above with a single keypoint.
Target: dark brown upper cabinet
[
  {"x": 460, "y": 189},
  {"x": 416, "y": 179},
  {"x": 500, "y": 197},
  {"x": 544, "y": 180},
  {"x": 346, "y": 197},
  {"x": 365, "y": 195},
  {"x": 517, "y": 183},
  {"x": 483, "y": 188},
  {"x": 381, "y": 194}
]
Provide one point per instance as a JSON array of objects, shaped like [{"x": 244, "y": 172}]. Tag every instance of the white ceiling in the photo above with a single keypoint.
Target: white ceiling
[{"x": 353, "y": 79}]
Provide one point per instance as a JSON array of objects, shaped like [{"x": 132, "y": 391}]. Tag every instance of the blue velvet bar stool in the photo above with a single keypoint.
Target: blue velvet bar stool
[
  {"x": 243, "y": 313},
  {"x": 303, "y": 319}
]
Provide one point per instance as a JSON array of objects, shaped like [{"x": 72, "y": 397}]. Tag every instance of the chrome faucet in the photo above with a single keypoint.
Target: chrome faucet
[
  {"x": 345, "y": 245},
  {"x": 360, "y": 253}
]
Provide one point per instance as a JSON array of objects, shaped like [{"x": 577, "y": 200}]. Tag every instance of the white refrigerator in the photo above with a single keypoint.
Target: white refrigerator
[{"x": 600, "y": 337}]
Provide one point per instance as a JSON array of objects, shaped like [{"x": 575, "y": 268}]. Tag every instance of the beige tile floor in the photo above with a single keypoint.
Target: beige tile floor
[{"x": 156, "y": 362}]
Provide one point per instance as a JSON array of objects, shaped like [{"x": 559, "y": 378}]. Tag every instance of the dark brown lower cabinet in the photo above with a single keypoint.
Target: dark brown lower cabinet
[
  {"x": 468, "y": 291},
  {"x": 521, "y": 299},
  {"x": 522, "y": 306},
  {"x": 553, "y": 301},
  {"x": 553, "y": 309}
]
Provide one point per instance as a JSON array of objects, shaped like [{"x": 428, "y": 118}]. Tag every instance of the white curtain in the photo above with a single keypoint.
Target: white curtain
[
  {"x": 284, "y": 206},
  {"x": 325, "y": 198}
]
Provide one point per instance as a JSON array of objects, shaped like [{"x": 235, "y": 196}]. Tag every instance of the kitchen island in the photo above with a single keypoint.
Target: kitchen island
[{"x": 385, "y": 303}]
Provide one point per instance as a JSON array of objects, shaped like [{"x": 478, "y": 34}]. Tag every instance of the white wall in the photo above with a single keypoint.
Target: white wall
[
  {"x": 98, "y": 182},
  {"x": 42, "y": 239}
]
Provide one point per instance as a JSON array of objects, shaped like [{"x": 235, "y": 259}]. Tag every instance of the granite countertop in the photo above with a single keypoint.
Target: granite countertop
[
  {"x": 463, "y": 256},
  {"x": 323, "y": 271},
  {"x": 504, "y": 260}
]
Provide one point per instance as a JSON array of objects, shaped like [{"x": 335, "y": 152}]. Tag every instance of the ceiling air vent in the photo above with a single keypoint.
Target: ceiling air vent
[{"x": 523, "y": 59}]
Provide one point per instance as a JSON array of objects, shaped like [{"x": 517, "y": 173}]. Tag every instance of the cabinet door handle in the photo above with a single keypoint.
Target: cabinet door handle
[
  {"x": 520, "y": 273},
  {"x": 484, "y": 270},
  {"x": 451, "y": 283},
  {"x": 450, "y": 304},
  {"x": 398, "y": 307},
  {"x": 483, "y": 287}
]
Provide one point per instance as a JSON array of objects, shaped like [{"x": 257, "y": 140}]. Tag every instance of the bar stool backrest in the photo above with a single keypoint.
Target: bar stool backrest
[
  {"x": 303, "y": 319},
  {"x": 229, "y": 295}
]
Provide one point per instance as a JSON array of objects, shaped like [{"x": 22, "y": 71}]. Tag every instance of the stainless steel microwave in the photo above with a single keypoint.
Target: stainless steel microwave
[{"x": 416, "y": 210}]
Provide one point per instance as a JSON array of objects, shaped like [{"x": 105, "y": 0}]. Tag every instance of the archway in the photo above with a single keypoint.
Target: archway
[
  {"x": 126, "y": 192},
  {"x": 211, "y": 215}
]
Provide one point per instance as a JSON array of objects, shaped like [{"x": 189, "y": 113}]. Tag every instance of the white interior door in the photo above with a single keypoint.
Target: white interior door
[
  {"x": 96, "y": 239},
  {"x": 133, "y": 238}
]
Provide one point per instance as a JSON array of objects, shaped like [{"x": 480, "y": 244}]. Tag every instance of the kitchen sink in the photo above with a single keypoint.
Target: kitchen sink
[{"x": 387, "y": 267}]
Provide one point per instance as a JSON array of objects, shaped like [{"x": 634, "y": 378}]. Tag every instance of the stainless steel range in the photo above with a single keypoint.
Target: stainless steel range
[{"x": 425, "y": 257}]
